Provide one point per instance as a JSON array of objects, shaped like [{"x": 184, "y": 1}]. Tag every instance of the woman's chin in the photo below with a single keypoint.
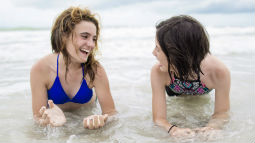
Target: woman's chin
[
  {"x": 83, "y": 60},
  {"x": 83, "y": 57}
]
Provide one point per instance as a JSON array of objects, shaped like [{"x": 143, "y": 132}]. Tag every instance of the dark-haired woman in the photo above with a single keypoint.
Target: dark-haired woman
[
  {"x": 186, "y": 67},
  {"x": 64, "y": 80}
]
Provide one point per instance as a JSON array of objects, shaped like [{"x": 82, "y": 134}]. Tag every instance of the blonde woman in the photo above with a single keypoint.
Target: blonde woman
[{"x": 64, "y": 79}]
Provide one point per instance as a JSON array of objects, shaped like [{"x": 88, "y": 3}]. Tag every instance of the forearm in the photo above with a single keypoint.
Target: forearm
[
  {"x": 162, "y": 123},
  {"x": 110, "y": 112}
]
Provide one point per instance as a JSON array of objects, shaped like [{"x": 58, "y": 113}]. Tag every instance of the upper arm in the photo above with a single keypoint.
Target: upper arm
[
  {"x": 38, "y": 88},
  {"x": 222, "y": 89},
  {"x": 158, "y": 94},
  {"x": 103, "y": 92}
]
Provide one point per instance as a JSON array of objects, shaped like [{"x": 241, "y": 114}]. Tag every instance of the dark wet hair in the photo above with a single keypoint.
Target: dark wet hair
[
  {"x": 185, "y": 43},
  {"x": 64, "y": 26}
]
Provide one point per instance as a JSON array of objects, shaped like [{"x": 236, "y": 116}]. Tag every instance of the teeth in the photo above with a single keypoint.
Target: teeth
[{"x": 84, "y": 50}]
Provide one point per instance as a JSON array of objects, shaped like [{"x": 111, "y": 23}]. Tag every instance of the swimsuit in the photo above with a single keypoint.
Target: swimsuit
[
  {"x": 57, "y": 94},
  {"x": 187, "y": 87}
]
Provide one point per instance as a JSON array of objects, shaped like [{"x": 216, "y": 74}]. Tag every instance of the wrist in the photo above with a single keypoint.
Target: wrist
[{"x": 170, "y": 128}]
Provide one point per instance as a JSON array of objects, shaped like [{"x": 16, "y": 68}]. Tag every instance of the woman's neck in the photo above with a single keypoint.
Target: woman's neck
[{"x": 72, "y": 66}]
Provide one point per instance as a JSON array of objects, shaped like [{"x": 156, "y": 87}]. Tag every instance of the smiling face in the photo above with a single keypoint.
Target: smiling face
[
  {"x": 161, "y": 57},
  {"x": 82, "y": 42}
]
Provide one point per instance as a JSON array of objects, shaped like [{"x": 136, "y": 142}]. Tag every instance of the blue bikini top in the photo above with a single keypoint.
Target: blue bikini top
[{"x": 57, "y": 94}]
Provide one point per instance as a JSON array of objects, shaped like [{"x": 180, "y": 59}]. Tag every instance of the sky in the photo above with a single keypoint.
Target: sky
[{"x": 42, "y": 13}]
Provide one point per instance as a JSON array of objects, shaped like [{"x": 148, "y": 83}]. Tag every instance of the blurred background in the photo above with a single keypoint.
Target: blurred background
[{"x": 41, "y": 13}]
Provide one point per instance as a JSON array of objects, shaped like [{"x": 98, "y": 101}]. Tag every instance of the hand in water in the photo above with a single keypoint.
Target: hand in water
[
  {"x": 207, "y": 133},
  {"x": 181, "y": 132},
  {"x": 95, "y": 121},
  {"x": 53, "y": 115},
  {"x": 203, "y": 129}
]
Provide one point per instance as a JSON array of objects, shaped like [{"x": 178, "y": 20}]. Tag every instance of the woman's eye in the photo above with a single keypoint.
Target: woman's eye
[{"x": 85, "y": 37}]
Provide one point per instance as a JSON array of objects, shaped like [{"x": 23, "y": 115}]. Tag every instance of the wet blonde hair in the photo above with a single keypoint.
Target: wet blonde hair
[{"x": 64, "y": 26}]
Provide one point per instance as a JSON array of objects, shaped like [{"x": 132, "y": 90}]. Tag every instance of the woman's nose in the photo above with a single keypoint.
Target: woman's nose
[
  {"x": 91, "y": 43},
  {"x": 154, "y": 52}
]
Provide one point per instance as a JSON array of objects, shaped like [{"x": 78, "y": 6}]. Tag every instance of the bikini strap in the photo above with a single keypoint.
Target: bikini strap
[
  {"x": 200, "y": 80},
  {"x": 57, "y": 64}
]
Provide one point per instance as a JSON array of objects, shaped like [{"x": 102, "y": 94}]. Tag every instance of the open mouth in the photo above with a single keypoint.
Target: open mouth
[{"x": 84, "y": 51}]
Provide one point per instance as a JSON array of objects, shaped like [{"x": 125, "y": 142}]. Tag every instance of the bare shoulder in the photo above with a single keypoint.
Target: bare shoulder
[
  {"x": 100, "y": 75},
  {"x": 217, "y": 70},
  {"x": 43, "y": 66},
  {"x": 159, "y": 76},
  {"x": 100, "y": 72}
]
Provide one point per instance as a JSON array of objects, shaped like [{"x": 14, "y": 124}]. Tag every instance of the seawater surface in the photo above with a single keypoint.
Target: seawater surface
[{"x": 126, "y": 54}]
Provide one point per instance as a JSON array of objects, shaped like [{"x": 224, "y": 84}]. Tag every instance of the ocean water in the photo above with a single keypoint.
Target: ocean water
[{"x": 126, "y": 54}]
